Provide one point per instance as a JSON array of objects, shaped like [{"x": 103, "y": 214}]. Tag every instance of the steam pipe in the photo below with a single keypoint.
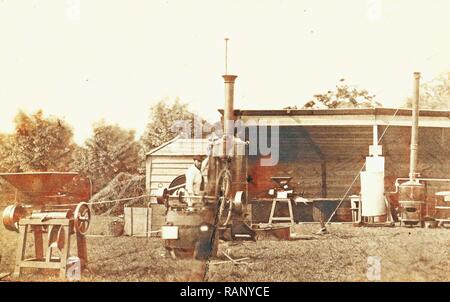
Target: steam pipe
[
  {"x": 397, "y": 182},
  {"x": 415, "y": 128}
]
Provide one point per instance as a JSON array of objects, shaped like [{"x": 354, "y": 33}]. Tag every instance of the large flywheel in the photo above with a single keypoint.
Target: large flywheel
[{"x": 224, "y": 195}]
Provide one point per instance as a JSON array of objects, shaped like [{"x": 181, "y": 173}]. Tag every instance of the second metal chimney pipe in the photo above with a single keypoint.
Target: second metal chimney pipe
[{"x": 414, "y": 128}]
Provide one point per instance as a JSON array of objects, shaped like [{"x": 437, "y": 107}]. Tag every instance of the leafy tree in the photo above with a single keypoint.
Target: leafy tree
[
  {"x": 38, "y": 144},
  {"x": 434, "y": 94},
  {"x": 167, "y": 121},
  {"x": 6, "y": 143},
  {"x": 109, "y": 151},
  {"x": 344, "y": 96}
]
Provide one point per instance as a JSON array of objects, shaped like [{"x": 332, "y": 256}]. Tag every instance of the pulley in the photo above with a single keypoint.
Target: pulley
[{"x": 11, "y": 216}]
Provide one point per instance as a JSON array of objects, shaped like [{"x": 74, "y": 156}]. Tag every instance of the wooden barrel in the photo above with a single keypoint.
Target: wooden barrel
[{"x": 116, "y": 228}]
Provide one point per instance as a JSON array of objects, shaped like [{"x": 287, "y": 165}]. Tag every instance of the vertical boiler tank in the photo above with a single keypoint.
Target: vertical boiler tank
[{"x": 412, "y": 194}]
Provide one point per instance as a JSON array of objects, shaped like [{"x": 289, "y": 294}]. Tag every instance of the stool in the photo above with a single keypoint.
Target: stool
[{"x": 285, "y": 218}]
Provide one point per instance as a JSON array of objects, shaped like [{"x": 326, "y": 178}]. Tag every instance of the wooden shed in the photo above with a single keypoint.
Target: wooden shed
[
  {"x": 171, "y": 159},
  {"x": 323, "y": 150}
]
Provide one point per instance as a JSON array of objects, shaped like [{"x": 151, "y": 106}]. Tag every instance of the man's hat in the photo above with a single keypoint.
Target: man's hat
[{"x": 199, "y": 157}]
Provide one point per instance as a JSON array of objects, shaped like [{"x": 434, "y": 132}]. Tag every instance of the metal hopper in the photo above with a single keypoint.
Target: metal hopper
[{"x": 40, "y": 185}]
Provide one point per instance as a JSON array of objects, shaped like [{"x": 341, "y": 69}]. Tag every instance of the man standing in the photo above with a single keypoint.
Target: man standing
[{"x": 195, "y": 177}]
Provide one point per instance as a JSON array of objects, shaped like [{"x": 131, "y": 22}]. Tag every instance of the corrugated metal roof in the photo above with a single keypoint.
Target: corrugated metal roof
[
  {"x": 344, "y": 117},
  {"x": 340, "y": 111},
  {"x": 182, "y": 146}
]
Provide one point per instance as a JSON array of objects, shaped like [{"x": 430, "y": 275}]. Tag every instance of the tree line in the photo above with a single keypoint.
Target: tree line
[
  {"x": 434, "y": 94},
  {"x": 46, "y": 143},
  {"x": 41, "y": 143}
]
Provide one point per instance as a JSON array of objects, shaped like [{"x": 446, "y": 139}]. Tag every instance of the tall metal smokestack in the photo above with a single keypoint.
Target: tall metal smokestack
[
  {"x": 228, "y": 113},
  {"x": 415, "y": 128}
]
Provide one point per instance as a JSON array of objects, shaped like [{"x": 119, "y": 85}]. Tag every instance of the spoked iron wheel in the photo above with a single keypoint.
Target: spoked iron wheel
[
  {"x": 179, "y": 183},
  {"x": 223, "y": 193},
  {"x": 82, "y": 216}
]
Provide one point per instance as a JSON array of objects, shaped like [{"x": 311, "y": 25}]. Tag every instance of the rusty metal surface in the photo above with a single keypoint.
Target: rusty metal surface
[
  {"x": 338, "y": 111},
  {"x": 412, "y": 202},
  {"x": 39, "y": 183},
  {"x": 11, "y": 216}
]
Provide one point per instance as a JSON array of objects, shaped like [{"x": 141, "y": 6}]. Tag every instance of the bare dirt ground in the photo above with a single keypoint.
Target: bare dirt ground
[{"x": 406, "y": 255}]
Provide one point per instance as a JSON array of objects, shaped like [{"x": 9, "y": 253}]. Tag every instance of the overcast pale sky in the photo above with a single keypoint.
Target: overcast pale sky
[{"x": 90, "y": 59}]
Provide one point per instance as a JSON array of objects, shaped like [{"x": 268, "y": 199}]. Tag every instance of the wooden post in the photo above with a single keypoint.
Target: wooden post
[
  {"x": 147, "y": 225},
  {"x": 82, "y": 250},
  {"x": 131, "y": 221},
  {"x": 38, "y": 242}
]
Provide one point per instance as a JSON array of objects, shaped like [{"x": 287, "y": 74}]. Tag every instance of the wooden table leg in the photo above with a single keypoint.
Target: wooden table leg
[
  {"x": 291, "y": 213},
  {"x": 21, "y": 246},
  {"x": 48, "y": 247},
  {"x": 272, "y": 211},
  {"x": 65, "y": 251},
  {"x": 38, "y": 242}
]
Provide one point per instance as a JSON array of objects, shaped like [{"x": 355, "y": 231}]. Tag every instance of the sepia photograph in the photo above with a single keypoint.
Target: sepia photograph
[{"x": 223, "y": 142}]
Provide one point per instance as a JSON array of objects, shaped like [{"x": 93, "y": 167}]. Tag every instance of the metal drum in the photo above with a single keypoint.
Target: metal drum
[
  {"x": 412, "y": 205},
  {"x": 12, "y": 215},
  {"x": 191, "y": 233}
]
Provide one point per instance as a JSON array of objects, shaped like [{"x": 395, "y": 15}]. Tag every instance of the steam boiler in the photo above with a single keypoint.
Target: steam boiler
[
  {"x": 193, "y": 231},
  {"x": 50, "y": 208},
  {"x": 412, "y": 193},
  {"x": 412, "y": 206}
]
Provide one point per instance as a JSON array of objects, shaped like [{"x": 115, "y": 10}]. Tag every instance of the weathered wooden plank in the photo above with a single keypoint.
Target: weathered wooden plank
[
  {"x": 170, "y": 165},
  {"x": 175, "y": 172},
  {"x": 163, "y": 178},
  {"x": 159, "y": 185},
  {"x": 158, "y": 218},
  {"x": 172, "y": 159},
  {"x": 137, "y": 221},
  {"x": 128, "y": 227}
]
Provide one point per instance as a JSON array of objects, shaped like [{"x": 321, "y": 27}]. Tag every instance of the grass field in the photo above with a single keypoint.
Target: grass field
[{"x": 406, "y": 255}]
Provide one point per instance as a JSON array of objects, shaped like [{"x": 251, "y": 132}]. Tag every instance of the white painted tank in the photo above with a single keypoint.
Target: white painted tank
[{"x": 372, "y": 194}]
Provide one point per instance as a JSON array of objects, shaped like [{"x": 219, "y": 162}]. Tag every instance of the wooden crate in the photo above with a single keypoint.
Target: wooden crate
[
  {"x": 144, "y": 221},
  {"x": 137, "y": 221},
  {"x": 158, "y": 218}
]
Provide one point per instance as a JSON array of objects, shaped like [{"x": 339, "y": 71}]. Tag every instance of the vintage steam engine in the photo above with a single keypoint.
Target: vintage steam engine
[
  {"x": 194, "y": 230},
  {"x": 51, "y": 215}
]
